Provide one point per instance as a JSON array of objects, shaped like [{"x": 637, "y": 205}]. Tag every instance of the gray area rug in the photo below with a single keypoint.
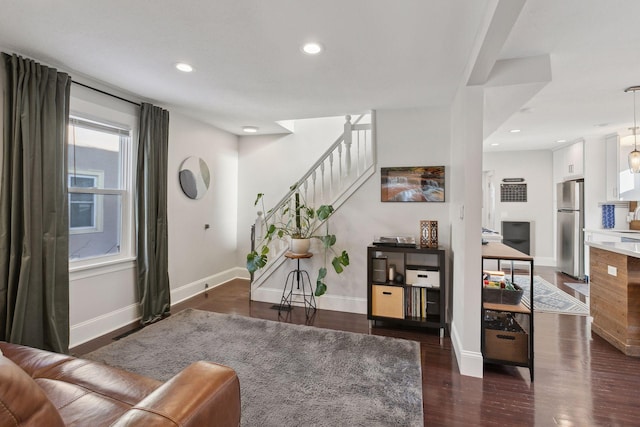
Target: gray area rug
[
  {"x": 290, "y": 375},
  {"x": 550, "y": 299}
]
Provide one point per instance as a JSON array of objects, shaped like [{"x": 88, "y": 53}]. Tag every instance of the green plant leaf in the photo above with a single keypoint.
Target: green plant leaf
[
  {"x": 344, "y": 258},
  {"x": 256, "y": 261},
  {"x": 339, "y": 261},
  {"x": 324, "y": 212},
  {"x": 337, "y": 265},
  {"x": 270, "y": 231},
  {"x": 310, "y": 212},
  {"x": 328, "y": 240},
  {"x": 321, "y": 287},
  {"x": 258, "y": 197}
]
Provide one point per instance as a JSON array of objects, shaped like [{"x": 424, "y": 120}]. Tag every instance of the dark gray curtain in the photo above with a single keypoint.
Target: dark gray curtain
[
  {"x": 151, "y": 204},
  {"x": 34, "y": 231}
]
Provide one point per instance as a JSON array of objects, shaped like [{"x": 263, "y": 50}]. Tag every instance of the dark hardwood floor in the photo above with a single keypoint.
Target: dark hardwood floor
[{"x": 580, "y": 379}]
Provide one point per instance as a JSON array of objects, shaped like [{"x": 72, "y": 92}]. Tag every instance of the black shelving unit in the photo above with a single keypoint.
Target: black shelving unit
[
  {"x": 415, "y": 295},
  {"x": 507, "y": 329}
]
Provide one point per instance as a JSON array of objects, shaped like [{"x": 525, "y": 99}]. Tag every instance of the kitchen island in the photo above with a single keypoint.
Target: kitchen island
[{"x": 615, "y": 293}]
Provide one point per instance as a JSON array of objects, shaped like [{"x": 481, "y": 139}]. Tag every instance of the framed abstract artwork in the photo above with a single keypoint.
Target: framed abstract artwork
[{"x": 412, "y": 184}]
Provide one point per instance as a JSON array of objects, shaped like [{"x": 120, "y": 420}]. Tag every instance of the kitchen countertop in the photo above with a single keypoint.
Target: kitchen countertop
[
  {"x": 612, "y": 231},
  {"x": 631, "y": 249}
]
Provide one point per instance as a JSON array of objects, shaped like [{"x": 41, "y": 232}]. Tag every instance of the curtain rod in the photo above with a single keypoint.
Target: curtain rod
[{"x": 105, "y": 93}]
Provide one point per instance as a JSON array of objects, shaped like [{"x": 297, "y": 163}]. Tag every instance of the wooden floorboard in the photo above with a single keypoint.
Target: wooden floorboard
[{"x": 580, "y": 379}]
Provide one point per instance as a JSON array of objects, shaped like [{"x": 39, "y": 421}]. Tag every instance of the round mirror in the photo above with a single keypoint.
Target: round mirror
[{"x": 194, "y": 177}]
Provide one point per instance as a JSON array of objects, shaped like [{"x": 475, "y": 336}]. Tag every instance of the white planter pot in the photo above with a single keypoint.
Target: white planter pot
[{"x": 300, "y": 246}]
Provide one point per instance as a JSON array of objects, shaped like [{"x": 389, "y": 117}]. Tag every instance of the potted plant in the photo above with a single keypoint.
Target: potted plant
[{"x": 299, "y": 222}]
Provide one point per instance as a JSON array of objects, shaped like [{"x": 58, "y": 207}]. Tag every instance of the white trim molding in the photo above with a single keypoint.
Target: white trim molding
[
  {"x": 192, "y": 289},
  {"x": 325, "y": 302},
  {"x": 100, "y": 325},
  {"x": 470, "y": 363}
]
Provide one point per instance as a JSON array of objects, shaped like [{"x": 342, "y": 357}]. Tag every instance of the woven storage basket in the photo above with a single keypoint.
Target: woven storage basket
[{"x": 502, "y": 296}]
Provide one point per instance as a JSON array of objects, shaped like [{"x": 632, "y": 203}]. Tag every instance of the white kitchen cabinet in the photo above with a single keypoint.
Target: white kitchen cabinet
[
  {"x": 620, "y": 183},
  {"x": 568, "y": 162},
  {"x": 575, "y": 159},
  {"x": 612, "y": 168}
]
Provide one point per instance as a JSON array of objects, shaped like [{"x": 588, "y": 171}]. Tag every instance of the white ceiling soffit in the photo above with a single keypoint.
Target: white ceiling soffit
[
  {"x": 248, "y": 67},
  {"x": 505, "y": 14},
  {"x": 511, "y": 84}
]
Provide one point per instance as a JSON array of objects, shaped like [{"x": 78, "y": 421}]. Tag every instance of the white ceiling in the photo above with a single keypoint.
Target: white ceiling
[
  {"x": 379, "y": 54},
  {"x": 594, "y": 47}
]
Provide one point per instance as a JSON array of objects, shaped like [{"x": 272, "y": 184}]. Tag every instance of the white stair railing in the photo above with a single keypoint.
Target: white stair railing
[{"x": 337, "y": 174}]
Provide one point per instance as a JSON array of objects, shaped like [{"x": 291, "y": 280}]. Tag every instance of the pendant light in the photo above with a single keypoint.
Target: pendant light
[{"x": 634, "y": 156}]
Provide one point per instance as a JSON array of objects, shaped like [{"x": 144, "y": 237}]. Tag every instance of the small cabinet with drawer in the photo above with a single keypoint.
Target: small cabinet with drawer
[{"x": 406, "y": 285}]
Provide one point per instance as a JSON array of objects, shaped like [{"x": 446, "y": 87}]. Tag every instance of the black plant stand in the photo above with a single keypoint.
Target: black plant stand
[{"x": 292, "y": 286}]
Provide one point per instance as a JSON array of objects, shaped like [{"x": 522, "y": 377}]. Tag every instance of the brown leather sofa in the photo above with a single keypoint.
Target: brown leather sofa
[{"x": 40, "y": 388}]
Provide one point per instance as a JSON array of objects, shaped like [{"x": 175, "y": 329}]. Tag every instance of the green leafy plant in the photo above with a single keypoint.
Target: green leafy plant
[{"x": 299, "y": 221}]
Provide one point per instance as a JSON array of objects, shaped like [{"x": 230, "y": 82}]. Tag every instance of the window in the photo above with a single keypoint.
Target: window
[
  {"x": 82, "y": 206},
  {"x": 99, "y": 183}
]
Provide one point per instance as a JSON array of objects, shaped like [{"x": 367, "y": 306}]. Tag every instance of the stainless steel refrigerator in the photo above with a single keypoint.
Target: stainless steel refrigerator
[{"x": 570, "y": 253}]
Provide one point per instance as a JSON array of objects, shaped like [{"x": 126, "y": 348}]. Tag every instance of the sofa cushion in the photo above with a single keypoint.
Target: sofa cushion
[{"x": 22, "y": 402}]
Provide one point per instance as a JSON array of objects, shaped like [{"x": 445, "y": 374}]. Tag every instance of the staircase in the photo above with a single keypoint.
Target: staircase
[{"x": 337, "y": 174}]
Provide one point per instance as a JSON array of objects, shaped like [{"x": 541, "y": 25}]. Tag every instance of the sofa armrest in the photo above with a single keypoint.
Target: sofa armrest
[
  {"x": 203, "y": 394},
  {"x": 22, "y": 402}
]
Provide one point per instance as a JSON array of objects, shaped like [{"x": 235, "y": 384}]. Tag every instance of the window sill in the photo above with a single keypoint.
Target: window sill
[{"x": 100, "y": 268}]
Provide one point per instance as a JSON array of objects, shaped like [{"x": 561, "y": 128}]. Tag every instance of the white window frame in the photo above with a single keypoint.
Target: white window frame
[{"x": 99, "y": 116}]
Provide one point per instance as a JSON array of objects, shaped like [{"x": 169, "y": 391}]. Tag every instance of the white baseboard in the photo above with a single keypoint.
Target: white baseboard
[
  {"x": 544, "y": 261},
  {"x": 325, "y": 302},
  {"x": 192, "y": 289},
  {"x": 98, "y": 326},
  {"x": 108, "y": 322},
  {"x": 470, "y": 363}
]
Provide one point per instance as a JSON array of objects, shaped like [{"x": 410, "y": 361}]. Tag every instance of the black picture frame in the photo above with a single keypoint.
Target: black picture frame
[{"x": 412, "y": 184}]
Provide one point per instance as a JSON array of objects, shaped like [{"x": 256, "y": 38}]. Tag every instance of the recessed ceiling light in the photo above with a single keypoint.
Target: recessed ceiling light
[
  {"x": 250, "y": 129},
  {"x": 514, "y": 130},
  {"x": 184, "y": 67},
  {"x": 312, "y": 48},
  {"x": 561, "y": 140},
  {"x": 495, "y": 144}
]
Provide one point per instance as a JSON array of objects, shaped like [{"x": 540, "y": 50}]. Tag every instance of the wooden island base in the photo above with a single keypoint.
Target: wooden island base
[{"x": 615, "y": 299}]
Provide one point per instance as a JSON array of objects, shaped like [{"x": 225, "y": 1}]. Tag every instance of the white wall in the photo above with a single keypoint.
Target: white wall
[
  {"x": 198, "y": 255},
  {"x": 536, "y": 167},
  {"x": 406, "y": 137}
]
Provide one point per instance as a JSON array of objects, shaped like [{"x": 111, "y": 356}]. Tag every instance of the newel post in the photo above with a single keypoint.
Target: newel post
[{"x": 347, "y": 143}]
